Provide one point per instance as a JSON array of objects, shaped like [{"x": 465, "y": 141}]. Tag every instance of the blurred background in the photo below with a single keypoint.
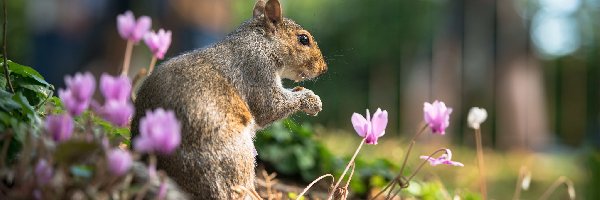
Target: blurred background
[{"x": 533, "y": 64}]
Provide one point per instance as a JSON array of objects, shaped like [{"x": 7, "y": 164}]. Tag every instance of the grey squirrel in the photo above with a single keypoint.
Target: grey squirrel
[{"x": 224, "y": 93}]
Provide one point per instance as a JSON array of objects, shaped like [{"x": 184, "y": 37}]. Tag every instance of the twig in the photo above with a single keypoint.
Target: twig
[
  {"x": 245, "y": 190},
  {"x": 554, "y": 186},
  {"x": 312, "y": 183},
  {"x": 4, "y": 51}
]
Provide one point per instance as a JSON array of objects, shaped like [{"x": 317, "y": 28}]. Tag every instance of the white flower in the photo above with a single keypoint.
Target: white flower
[{"x": 476, "y": 117}]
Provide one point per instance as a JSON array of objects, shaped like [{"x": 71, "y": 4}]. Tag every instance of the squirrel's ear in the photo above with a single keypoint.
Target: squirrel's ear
[
  {"x": 259, "y": 8},
  {"x": 273, "y": 12}
]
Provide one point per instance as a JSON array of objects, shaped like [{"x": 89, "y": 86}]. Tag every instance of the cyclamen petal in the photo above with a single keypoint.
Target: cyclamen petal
[
  {"x": 116, "y": 112},
  {"x": 116, "y": 88},
  {"x": 130, "y": 29},
  {"x": 359, "y": 123},
  {"x": 125, "y": 23},
  {"x": 370, "y": 129},
  {"x": 142, "y": 27},
  {"x": 437, "y": 116},
  {"x": 43, "y": 172},
  {"x": 443, "y": 159},
  {"x": 160, "y": 132},
  {"x": 72, "y": 105},
  {"x": 78, "y": 94},
  {"x": 60, "y": 127},
  {"x": 379, "y": 122},
  {"x": 119, "y": 161},
  {"x": 158, "y": 43},
  {"x": 81, "y": 85}
]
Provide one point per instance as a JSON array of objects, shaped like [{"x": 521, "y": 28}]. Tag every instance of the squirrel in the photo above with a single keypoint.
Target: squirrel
[{"x": 226, "y": 92}]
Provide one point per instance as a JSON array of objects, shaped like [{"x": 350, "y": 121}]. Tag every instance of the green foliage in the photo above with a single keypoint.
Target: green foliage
[
  {"x": 20, "y": 112},
  {"x": 115, "y": 133},
  {"x": 291, "y": 150}
]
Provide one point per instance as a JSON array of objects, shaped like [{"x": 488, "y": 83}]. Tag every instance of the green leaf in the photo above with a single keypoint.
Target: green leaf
[
  {"x": 305, "y": 160},
  {"x": 26, "y": 108},
  {"x": 2, "y": 80},
  {"x": 24, "y": 71},
  {"x": 7, "y": 104}
]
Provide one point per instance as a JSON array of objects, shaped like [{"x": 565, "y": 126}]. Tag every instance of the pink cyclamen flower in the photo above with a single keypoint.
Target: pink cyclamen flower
[
  {"x": 445, "y": 159},
  {"x": 160, "y": 132},
  {"x": 370, "y": 129},
  {"x": 158, "y": 43},
  {"x": 43, "y": 172},
  {"x": 437, "y": 116},
  {"x": 80, "y": 88},
  {"x": 130, "y": 29},
  {"x": 115, "y": 88},
  {"x": 60, "y": 127},
  {"x": 119, "y": 161},
  {"x": 117, "y": 112}
]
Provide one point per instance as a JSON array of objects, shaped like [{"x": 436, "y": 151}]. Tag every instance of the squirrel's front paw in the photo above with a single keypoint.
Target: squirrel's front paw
[{"x": 311, "y": 103}]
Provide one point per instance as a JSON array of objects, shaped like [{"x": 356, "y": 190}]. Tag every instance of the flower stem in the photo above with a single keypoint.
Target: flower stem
[
  {"x": 346, "y": 170},
  {"x": 152, "y": 166},
  {"x": 554, "y": 186},
  {"x": 127, "y": 58},
  {"x": 151, "y": 175},
  {"x": 410, "y": 146},
  {"x": 351, "y": 174},
  {"x": 405, "y": 184},
  {"x": 151, "y": 67},
  {"x": 517, "y": 194},
  {"x": 423, "y": 163},
  {"x": 4, "y": 51},
  {"x": 481, "y": 165},
  {"x": 138, "y": 77}
]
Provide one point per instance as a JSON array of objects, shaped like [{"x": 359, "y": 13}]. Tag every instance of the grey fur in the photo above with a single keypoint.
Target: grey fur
[{"x": 223, "y": 94}]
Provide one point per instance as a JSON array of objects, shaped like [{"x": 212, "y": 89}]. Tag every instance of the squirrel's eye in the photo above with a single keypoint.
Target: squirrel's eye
[{"x": 303, "y": 39}]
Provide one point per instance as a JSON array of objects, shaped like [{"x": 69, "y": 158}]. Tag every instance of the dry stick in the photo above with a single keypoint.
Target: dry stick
[
  {"x": 517, "y": 194},
  {"x": 560, "y": 180},
  {"x": 481, "y": 165},
  {"x": 419, "y": 169},
  {"x": 127, "y": 58},
  {"x": 312, "y": 183},
  {"x": 245, "y": 190},
  {"x": 152, "y": 64},
  {"x": 346, "y": 170},
  {"x": 4, "y": 51},
  {"x": 410, "y": 146}
]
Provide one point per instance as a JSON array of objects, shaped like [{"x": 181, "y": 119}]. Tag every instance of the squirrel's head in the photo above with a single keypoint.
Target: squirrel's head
[{"x": 301, "y": 58}]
